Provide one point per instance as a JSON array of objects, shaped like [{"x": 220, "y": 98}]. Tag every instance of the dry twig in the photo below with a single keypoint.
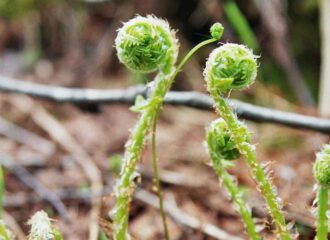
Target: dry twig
[{"x": 190, "y": 99}]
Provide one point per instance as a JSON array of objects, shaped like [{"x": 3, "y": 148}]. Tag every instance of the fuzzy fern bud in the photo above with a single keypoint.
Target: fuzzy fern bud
[
  {"x": 231, "y": 66},
  {"x": 322, "y": 167},
  {"x": 222, "y": 147},
  {"x": 146, "y": 44},
  {"x": 219, "y": 139},
  {"x": 216, "y": 30},
  {"x": 42, "y": 229}
]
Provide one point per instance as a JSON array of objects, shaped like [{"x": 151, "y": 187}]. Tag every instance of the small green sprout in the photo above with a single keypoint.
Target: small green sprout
[
  {"x": 232, "y": 67},
  {"x": 219, "y": 139},
  {"x": 143, "y": 44},
  {"x": 222, "y": 150},
  {"x": 322, "y": 176},
  {"x": 322, "y": 167},
  {"x": 42, "y": 229},
  {"x": 216, "y": 30},
  {"x": 146, "y": 44}
]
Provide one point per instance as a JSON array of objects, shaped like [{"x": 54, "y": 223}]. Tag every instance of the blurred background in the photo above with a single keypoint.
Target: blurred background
[{"x": 70, "y": 43}]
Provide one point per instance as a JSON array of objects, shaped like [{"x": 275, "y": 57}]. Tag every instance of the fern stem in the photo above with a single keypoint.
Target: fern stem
[
  {"x": 132, "y": 154},
  {"x": 237, "y": 196},
  {"x": 322, "y": 218},
  {"x": 123, "y": 191},
  {"x": 155, "y": 164},
  {"x": 193, "y": 51},
  {"x": 260, "y": 176}
]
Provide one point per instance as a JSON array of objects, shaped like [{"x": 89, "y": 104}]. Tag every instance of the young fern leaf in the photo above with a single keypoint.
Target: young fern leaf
[
  {"x": 233, "y": 67},
  {"x": 42, "y": 229},
  {"x": 216, "y": 32},
  {"x": 222, "y": 150},
  {"x": 322, "y": 175},
  {"x": 145, "y": 44}
]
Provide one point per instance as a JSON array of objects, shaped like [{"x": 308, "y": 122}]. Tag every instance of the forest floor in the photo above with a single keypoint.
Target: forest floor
[
  {"x": 193, "y": 196},
  {"x": 52, "y": 151}
]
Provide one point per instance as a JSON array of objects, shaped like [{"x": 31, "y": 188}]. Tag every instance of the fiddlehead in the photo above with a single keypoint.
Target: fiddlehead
[
  {"x": 220, "y": 142},
  {"x": 231, "y": 67},
  {"x": 322, "y": 167},
  {"x": 322, "y": 176},
  {"x": 222, "y": 149},
  {"x": 147, "y": 44},
  {"x": 143, "y": 44},
  {"x": 216, "y": 32}
]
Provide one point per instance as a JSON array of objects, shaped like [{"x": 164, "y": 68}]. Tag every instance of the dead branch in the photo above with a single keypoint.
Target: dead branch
[{"x": 190, "y": 99}]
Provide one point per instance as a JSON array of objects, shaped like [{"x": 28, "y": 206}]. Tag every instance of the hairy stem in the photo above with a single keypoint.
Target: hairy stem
[
  {"x": 156, "y": 176},
  {"x": 237, "y": 196},
  {"x": 154, "y": 130},
  {"x": 260, "y": 176},
  {"x": 132, "y": 155},
  {"x": 134, "y": 146},
  {"x": 322, "y": 218}
]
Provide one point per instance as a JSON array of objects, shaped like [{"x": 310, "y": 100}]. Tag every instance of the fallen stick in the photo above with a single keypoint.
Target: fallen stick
[{"x": 189, "y": 99}]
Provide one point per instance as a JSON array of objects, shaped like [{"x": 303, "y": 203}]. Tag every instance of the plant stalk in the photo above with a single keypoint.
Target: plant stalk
[
  {"x": 237, "y": 197},
  {"x": 132, "y": 155},
  {"x": 260, "y": 176},
  {"x": 125, "y": 186},
  {"x": 155, "y": 164},
  {"x": 154, "y": 148},
  {"x": 322, "y": 218}
]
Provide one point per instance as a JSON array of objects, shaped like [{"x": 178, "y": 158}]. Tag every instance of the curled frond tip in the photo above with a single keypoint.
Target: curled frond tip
[
  {"x": 322, "y": 167},
  {"x": 216, "y": 30},
  {"x": 220, "y": 141},
  {"x": 145, "y": 44},
  {"x": 231, "y": 66}
]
